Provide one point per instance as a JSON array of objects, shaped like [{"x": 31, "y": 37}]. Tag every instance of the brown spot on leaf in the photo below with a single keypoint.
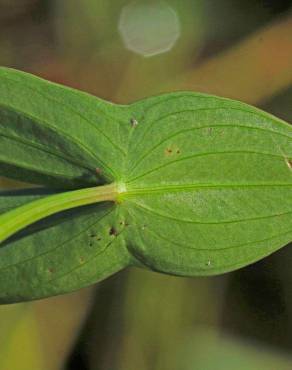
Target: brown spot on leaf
[
  {"x": 98, "y": 171},
  {"x": 168, "y": 151}
]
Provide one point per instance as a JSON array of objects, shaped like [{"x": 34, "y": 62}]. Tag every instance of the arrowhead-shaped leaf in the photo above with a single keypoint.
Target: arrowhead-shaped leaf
[{"x": 205, "y": 185}]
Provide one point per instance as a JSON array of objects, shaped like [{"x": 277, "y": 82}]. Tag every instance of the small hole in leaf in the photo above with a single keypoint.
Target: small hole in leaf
[
  {"x": 113, "y": 231},
  {"x": 134, "y": 122}
]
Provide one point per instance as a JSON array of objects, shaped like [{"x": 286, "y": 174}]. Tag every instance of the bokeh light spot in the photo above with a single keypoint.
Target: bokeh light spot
[{"x": 149, "y": 28}]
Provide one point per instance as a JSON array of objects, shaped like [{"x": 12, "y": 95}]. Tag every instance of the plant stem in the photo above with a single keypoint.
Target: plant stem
[{"x": 22, "y": 216}]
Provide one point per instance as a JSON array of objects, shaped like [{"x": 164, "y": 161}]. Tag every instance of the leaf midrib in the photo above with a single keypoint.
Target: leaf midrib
[{"x": 191, "y": 187}]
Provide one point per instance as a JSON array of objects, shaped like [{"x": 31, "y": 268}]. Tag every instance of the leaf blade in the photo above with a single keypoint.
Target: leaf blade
[
  {"x": 207, "y": 175},
  {"x": 62, "y": 253},
  {"x": 205, "y": 187},
  {"x": 64, "y": 123}
]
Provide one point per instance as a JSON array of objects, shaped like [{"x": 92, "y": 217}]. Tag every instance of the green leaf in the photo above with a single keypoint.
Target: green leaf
[
  {"x": 16, "y": 198},
  {"x": 57, "y": 136},
  {"x": 61, "y": 253},
  {"x": 209, "y": 184},
  {"x": 204, "y": 185},
  {"x": 20, "y": 217}
]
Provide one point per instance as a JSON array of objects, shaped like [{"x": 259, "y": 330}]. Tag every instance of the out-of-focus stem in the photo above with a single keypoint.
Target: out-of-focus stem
[{"x": 253, "y": 70}]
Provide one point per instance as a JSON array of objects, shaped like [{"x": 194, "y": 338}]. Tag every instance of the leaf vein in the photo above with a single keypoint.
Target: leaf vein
[
  {"x": 184, "y": 246},
  {"x": 58, "y": 245},
  {"x": 67, "y": 106},
  {"x": 150, "y": 210},
  {"x": 202, "y": 155},
  {"x": 65, "y": 135},
  {"x": 139, "y": 160}
]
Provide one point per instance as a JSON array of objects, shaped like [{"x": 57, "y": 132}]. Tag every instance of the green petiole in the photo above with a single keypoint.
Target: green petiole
[{"x": 20, "y": 217}]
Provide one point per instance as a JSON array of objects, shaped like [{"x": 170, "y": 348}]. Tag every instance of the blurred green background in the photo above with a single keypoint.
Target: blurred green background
[{"x": 124, "y": 50}]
